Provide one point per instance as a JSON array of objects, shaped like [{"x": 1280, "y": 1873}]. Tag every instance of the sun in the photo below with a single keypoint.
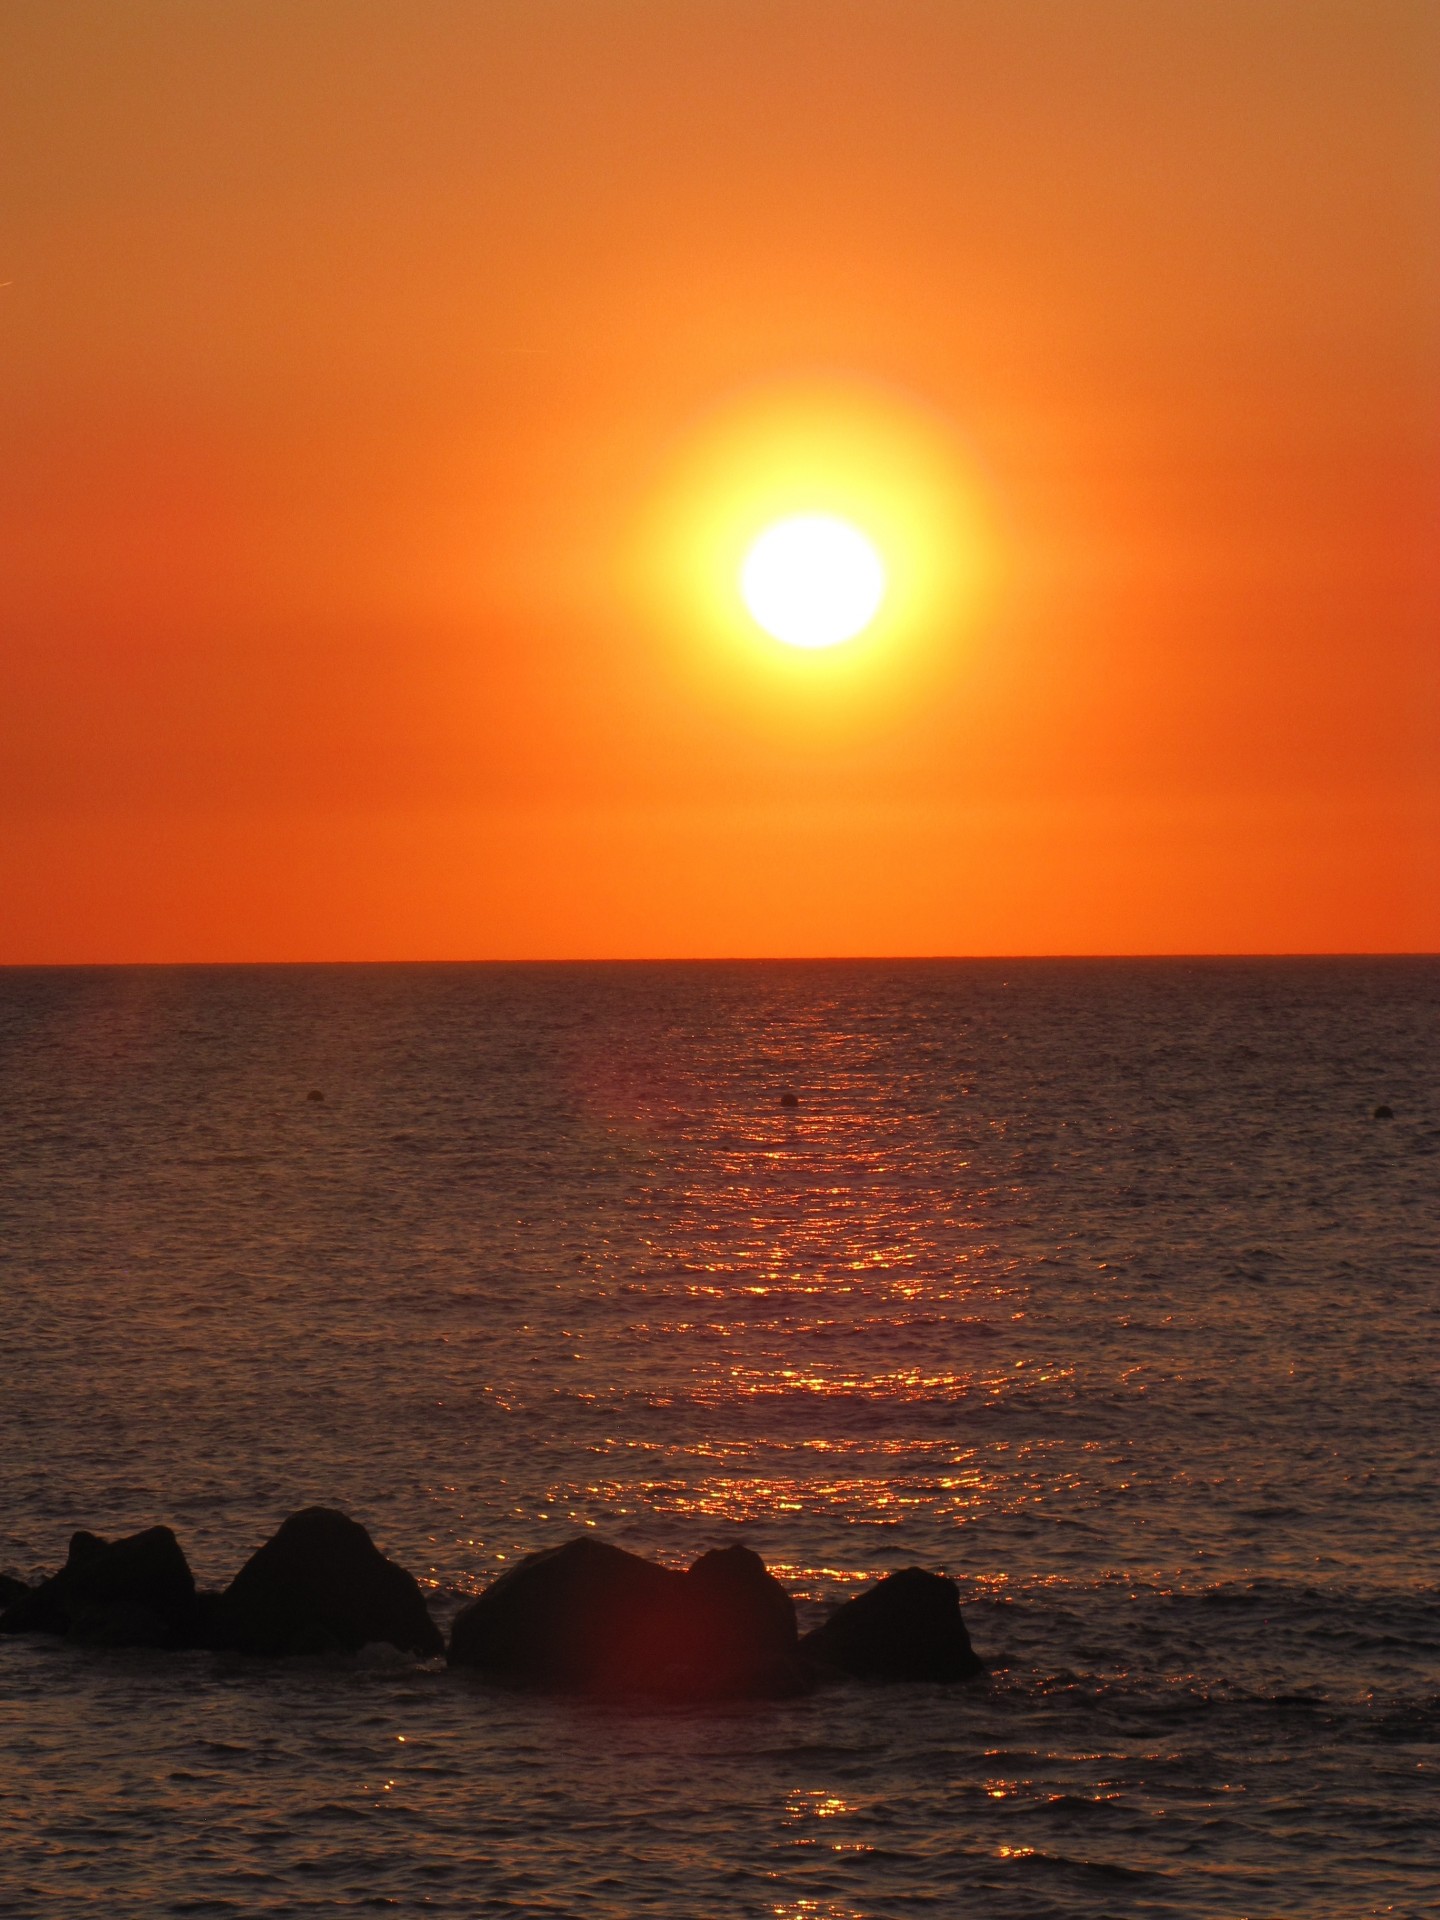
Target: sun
[
  {"x": 812, "y": 580},
  {"x": 818, "y": 541}
]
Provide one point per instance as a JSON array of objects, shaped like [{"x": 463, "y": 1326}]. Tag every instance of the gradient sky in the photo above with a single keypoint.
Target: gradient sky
[{"x": 361, "y": 362}]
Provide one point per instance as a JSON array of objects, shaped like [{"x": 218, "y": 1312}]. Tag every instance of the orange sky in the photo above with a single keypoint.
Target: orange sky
[{"x": 358, "y": 362}]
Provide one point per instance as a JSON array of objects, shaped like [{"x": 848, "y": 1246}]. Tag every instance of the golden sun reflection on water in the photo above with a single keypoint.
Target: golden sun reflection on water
[
  {"x": 813, "y": 1803},
  {"x": 810, "y": 1304}
]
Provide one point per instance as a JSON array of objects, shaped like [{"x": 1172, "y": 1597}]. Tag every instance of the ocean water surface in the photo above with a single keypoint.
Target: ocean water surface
[{"x": 1094, "y": 1284}]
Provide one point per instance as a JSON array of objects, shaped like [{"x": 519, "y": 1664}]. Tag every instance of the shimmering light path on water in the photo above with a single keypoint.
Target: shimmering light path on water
[{"x": 1094, "y": 1283}]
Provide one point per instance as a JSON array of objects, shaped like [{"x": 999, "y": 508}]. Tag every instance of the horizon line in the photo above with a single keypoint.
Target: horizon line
[{"x": 748, "y": 960}]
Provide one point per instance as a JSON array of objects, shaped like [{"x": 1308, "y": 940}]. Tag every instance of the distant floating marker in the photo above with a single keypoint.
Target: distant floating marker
[
  {"x": 789, "y": 1099},
  {"x": 315, "y": 1094},
  {"x": 1384, "y": 1113}
]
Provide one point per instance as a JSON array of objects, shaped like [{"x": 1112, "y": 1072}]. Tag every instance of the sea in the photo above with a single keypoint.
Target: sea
[{"x": 1097, "y": 1285}]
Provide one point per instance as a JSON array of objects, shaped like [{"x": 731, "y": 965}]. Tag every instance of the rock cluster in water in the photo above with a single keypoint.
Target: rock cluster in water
[
  {"x": 585, "y": 1617},
  {"x": 319, "y": 1585}
]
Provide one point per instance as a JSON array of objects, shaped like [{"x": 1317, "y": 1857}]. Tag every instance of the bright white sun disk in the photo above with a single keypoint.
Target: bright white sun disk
[{"x": 812, "y": 581}]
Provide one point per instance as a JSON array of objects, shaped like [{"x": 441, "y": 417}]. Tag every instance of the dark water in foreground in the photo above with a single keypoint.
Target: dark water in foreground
[{"x": 1094, "y": 1284}]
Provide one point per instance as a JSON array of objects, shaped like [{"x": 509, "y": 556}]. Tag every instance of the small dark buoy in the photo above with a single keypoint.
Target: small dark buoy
[
  {"x": 789, "y": 1099},
  {"x": 315, "y": 1094},
  {"x": 1384, "y": 1113}
]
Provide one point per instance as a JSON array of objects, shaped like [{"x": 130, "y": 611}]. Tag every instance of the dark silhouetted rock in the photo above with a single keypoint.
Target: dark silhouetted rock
[
  {"x": 136, "y": 1592},
  {"x": 906, "y": 1627},
  {"x": 1384, "y": 1113},
  {"x": 316, "y": 1096},
  {"x": 789, "y": 1099},
  {"x": 321, "y": 1585},
  {"x": 590, "y": 1618},
  {"x": 11, "y": 1590},
  {"x": 742, "y": 1634}
]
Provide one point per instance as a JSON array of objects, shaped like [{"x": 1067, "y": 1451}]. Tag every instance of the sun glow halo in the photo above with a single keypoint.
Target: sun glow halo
[
  {"x": 814, "y": 514},
  {"x": 812, "y": 580}
]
